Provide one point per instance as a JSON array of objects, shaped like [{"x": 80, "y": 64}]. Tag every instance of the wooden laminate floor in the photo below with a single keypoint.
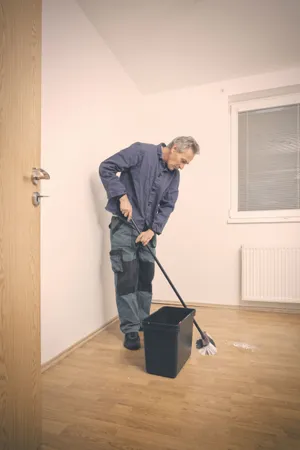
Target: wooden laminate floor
[{"x": 101, "y": 398}]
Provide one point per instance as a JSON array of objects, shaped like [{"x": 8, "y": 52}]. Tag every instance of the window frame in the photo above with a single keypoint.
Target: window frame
[{"x": 267, "y": 216}]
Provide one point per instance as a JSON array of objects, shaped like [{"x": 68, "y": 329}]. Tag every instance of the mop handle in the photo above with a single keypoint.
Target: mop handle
[{"x": 168, "y": 279}]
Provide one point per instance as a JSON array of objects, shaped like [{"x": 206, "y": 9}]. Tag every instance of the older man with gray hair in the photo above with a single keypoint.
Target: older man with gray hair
[{"x": 146, "y": 190}]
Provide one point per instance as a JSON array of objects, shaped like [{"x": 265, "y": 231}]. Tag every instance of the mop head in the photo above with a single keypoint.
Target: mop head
[{"x": 206, "y": 346}]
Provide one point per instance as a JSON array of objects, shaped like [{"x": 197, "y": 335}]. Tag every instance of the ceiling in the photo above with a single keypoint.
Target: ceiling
[{"x": 171, "y": 44}]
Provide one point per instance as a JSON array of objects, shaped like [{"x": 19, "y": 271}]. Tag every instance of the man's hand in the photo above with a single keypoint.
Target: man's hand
[
  {"x": 125, "y": 207},
  {"x": 145, "y": 237}
]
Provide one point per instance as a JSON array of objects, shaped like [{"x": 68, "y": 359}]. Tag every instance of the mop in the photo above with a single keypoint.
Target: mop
[{"x": 205, "y": 345}]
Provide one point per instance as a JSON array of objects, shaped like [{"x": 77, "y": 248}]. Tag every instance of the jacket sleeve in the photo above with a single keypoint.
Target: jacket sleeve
[
  {"x": 119, "y": 162},
  {"x": 167, "y": 205}
]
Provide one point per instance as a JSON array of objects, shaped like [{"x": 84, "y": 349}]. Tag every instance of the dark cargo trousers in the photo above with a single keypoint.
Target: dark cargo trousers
[{"x": 133, "y": 267}]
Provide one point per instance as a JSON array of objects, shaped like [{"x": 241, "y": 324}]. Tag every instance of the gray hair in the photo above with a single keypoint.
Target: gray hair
[{"x": 183, "y": 143}]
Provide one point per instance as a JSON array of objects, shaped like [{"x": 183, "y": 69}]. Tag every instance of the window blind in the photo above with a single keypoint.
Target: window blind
[{"x": 269, "y": 159}]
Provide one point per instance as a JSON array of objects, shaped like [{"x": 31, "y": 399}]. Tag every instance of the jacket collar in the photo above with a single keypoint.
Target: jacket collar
[{"x": 160, "y": 155}]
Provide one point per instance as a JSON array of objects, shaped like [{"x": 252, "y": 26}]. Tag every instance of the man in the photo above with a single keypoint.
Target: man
[{"x": 146, "y": 191}]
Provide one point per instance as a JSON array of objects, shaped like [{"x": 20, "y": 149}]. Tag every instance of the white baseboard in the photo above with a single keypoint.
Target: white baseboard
[
  {"x": 284, "y": 308},
  {"x": 52, "y": 362}
]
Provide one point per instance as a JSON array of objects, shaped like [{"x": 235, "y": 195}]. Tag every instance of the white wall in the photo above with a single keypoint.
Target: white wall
[
  {"x": 199, "y": 249},
  {"x": 90, "y": 110}
]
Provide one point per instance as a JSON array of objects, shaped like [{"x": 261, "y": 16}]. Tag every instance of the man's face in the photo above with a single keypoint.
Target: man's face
[{"x": 178, "y": 160}]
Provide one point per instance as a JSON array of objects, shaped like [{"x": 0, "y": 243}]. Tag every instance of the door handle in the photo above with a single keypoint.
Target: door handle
[
  {"x": 39, "y": 174},
  {"x": 36, "y": 198}
]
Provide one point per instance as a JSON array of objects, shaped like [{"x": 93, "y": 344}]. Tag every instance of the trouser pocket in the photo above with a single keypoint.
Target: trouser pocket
[
  {"x": 121, "y": 234},
  {"x": 126, "y": 273}
]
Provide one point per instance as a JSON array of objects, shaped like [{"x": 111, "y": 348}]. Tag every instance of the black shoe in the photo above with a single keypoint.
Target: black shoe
[{"x": 132, "y": 341}]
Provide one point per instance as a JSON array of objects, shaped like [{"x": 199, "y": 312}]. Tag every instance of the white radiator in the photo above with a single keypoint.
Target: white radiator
[{"x": 270, "y": 274}]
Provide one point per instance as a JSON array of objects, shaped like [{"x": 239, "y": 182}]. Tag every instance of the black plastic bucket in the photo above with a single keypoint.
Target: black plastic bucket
[{"x": 168, "y": 336}]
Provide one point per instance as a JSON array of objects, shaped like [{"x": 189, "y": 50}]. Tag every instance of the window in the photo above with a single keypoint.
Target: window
[{"x": 265, "y": 160}]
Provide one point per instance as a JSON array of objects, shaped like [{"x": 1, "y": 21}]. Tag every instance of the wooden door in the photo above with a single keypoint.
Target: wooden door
[{"x": 20, "y": 117}]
